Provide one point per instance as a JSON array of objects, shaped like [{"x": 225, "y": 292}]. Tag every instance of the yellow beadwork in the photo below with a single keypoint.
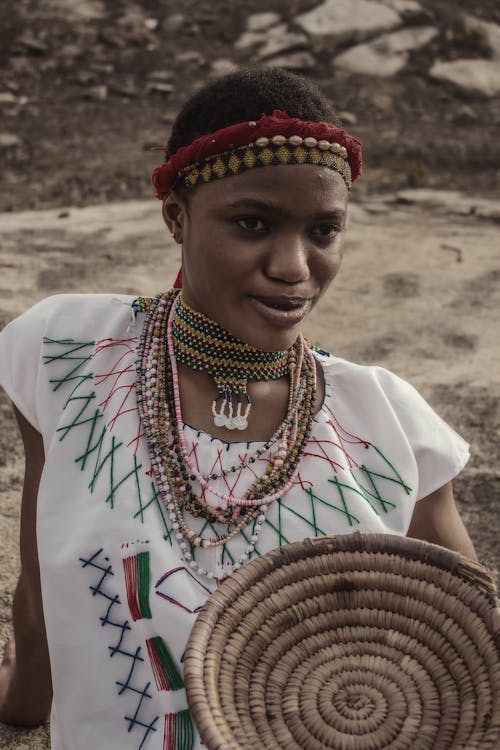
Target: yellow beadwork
[
  {"x": 234, "y": 163},
  {"x": 249, "y": 158},
  {"x": 193, "y": 176},
  {"x": 301, "y": 154},
  {"x": 283, "y": 153},
  {"x": 206, "y": 172},
  {"x": 219, "y": 167},
  {"x": 264, "y": 153},
  {"x": 315, "y": 155},
  {"x": 266, "y": 156}
]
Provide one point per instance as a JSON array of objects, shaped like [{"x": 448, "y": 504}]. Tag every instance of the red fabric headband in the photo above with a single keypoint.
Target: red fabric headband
[{"x": 244, "y": 133}]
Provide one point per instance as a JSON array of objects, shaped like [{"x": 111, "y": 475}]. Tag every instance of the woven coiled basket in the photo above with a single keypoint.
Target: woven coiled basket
[{"x": 354, "y": 642}]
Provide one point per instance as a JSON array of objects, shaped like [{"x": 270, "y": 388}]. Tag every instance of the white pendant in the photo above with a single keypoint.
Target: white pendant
[
  {"x": 240, "y": 422},
  {"x": 230, "y": 421}
]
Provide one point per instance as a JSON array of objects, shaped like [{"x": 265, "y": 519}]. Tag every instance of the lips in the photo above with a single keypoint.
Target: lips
[
  {"x": 281, "y": 310},
  {"x": 282, "y": 302}
]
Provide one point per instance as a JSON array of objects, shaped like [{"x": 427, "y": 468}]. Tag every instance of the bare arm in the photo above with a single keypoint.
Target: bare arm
[
  {"x": 25, "y": 681},
  {"x": 436, "y": 519}
]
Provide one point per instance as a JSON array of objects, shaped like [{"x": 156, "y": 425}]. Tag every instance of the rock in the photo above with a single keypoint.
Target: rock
[
  {"x": 348, "y": 19},
  {"x": 293, "y": 61},
  {"x": 223, "y": 66},
  {"x": 158, "y": 87},
  {"x": 464, "y": 115},
  {"x": 100, "y": 67},
  {"x": 190, "y": 56},
  {"x": 7, "y": 98},
  {"x": 488, "y": 210},
  {"x": 275, "y": 40},
  {"x": 20, "y": 65},
  {"x": 403, "y": 6},
  {"x": 9, "y": 140},
  {"x": 136, "y": 19},
  {"x": 248, "y": 39},
  {"x": 451, "y": 201},
  {"x": 160, "y": 75},
  {"x": 348, "y": 118},
  {"x": 262, "y": 21},
  {"x": 69, "y": 51},
  {"x": 10, "y": 85},
  {"x": 489, "y": 31},
  {"x": 376, "y": 207},
  {"x": 69, "y": 10},
  {"x": 279, "y": 39},
  {"x": 112, "y": 38},
  {"x": 478, "y": 76},
  {"x": 125, "y": 87},
  {"x": 36, "y": 46},
  {"x": 86, "y": 77},
  {"x": 96, "y": 93},
  {"x": 386, "y": 54},
  {"x": 426, "y": 197},
  {"x": 133, "y": 17},
  {"x": 174, "y": 23}
]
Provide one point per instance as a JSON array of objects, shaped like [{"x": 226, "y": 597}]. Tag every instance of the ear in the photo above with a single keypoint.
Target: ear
[{"x": 174, "y": 215}]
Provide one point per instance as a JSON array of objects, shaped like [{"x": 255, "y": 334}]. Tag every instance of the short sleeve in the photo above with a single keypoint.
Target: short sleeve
[
  {"x": 440, "y": 452},
  {"x": 20, "y": 352}
]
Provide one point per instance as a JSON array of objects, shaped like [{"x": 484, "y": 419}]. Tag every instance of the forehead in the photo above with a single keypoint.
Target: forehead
[{"x": 296, "y": 186}]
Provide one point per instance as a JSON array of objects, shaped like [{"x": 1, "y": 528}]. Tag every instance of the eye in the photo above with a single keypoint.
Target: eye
[
  {"x": 251, "y": 223},
  {"x": 325, "y": 231}
]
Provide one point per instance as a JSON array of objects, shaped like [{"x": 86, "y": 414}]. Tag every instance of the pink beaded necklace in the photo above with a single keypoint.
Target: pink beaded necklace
[{"x": 159, "y": 405}]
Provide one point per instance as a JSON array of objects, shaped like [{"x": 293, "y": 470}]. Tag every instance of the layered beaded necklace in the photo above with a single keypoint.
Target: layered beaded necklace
[{"x": 159, "y": 406}]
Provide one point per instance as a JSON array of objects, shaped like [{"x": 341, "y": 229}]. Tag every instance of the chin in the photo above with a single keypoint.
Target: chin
[{"x": 270, "y": 340}]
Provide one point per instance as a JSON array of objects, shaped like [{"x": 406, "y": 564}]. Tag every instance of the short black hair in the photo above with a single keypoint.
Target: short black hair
[{"x": 245, "y": 95}]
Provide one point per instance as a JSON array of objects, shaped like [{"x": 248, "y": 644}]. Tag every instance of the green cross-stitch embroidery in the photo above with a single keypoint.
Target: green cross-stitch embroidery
[{"x": 100, "y": 447}]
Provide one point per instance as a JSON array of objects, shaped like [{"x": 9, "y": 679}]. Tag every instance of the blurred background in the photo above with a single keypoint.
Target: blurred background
[{"x": 88, "y": 86}]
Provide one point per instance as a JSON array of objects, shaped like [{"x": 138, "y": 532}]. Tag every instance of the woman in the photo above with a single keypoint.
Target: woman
[{"x": 170, "y": 440}]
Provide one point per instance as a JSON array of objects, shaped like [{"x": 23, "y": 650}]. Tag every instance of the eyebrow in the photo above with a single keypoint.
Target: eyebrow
[{"x": 334, "y": 214}]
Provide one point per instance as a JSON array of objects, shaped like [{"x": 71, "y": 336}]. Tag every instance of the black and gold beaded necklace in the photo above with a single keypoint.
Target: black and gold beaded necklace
[{"x": 202, "y": 344}]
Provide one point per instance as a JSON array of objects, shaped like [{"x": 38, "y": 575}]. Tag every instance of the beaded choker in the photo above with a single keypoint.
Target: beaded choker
[
  {"x": 175, "y": 474},
  {"x": 202, "y": 344}
]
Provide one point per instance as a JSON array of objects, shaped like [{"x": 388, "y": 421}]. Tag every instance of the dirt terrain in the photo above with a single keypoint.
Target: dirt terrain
[{"x": 88, "y": 87}]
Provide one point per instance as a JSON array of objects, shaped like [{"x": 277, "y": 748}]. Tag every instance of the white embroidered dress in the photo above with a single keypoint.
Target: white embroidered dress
[{"x": 118, "y": 600}]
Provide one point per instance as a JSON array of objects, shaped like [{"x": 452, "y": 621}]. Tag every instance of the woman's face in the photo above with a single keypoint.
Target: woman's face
[{"x": 260, "y": 248}]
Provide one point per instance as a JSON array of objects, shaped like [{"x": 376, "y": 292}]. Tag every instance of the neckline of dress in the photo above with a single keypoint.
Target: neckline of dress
[{"x": 320, "y": 357}]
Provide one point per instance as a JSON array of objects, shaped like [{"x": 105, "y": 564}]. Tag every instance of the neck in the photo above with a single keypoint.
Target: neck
[{"x": 202, "y": 329}]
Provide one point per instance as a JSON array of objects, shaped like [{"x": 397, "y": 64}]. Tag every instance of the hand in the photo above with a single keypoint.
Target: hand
[
  {"x": 15, "y": 705},
  {"x": 7, "y": 677}
]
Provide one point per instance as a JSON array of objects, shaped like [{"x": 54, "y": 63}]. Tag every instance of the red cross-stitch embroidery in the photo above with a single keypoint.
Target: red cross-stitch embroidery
[{"x": 119, "y": 380}]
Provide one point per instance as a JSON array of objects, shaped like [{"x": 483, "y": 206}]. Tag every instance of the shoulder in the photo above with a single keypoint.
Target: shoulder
[
  {"x": 389, "y": 410},
  {"x": 376, "y": 394},
  {"x": 79, "y": 309},
  {"x": 364, "y": 380},
  {"x": 73, "y": 303}
]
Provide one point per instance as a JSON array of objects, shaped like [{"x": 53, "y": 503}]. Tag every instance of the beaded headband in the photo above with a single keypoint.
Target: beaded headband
[{"x": 272, "y": 140}]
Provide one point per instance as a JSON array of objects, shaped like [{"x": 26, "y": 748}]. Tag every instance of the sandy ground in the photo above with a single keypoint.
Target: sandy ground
[{"x": 419, "y": 293}]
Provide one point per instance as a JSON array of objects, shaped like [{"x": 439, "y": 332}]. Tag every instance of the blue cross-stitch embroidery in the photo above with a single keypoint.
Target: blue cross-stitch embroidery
[{"x": 130, "y": 658}]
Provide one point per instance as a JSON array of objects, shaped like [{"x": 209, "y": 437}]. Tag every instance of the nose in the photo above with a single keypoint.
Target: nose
[{"x": 288, "y": 259}]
